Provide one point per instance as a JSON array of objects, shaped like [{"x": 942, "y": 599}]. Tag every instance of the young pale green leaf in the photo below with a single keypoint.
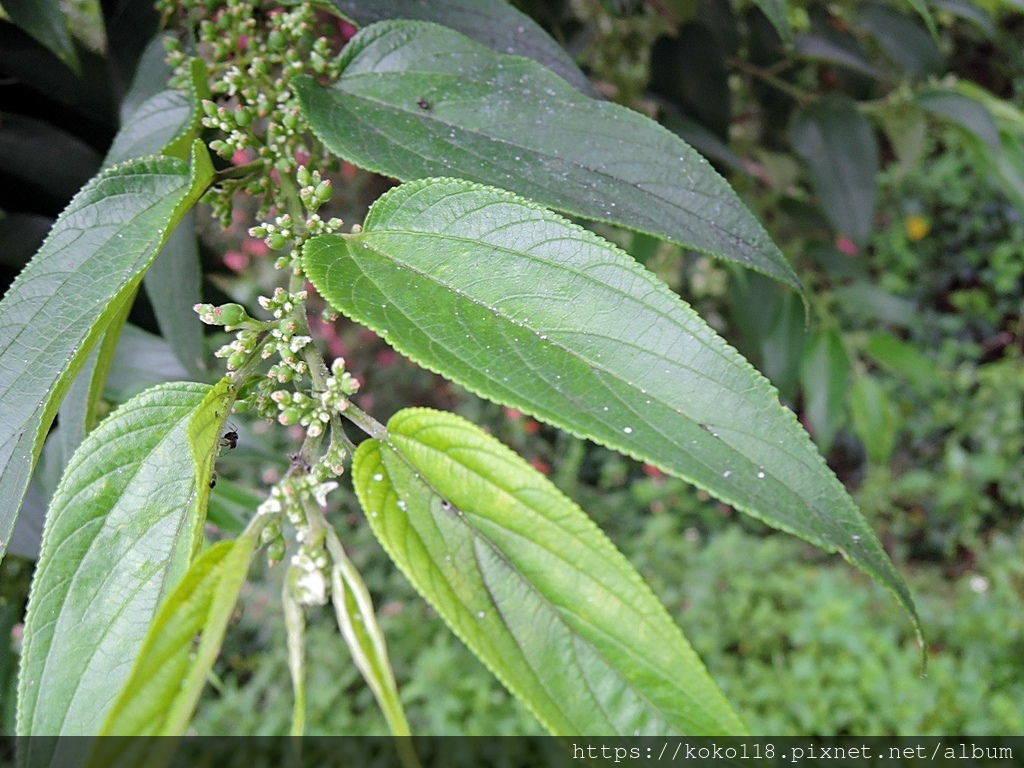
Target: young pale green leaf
[
  {"x": 838, "y": 144},
  {"x": 161, "y": 694},
  {"x": 531, "y": 311},
  {"x": 63, "y": 301},
  {"x": 44, "y": 20},
  {"x": 531, "y": 584},
  {"x": 494, "y": 23},
  {"x": 417, "y": 100},
  {"x": 120, "y": 532}
]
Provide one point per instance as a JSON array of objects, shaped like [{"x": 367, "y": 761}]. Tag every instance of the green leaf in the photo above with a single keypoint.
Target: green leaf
[
  {"x": 42, "y": 156},
  {"x": 44, "y": 20},
  {"x": 777, "y": 13},
  {"x": 907, "y": 131},
  {"x": 902, "y": 38},
  {"x": 62, "y": 302},
  {"x": 922, "y": 10},
  {"x": 530, "y": 583},
  {"x": 120, "y": 532},
  {"x": 21, "y": 234},
  {"x": 971, "y": 12},
  {"x": 165, "y": 123},
  {"x": 174, "y": 285},
  {"x": 874, "y": 418},
  {"x": 493, "y": 23},
  {"x": 820, "y": 48},
  {"x": 151, "y": 77},
  {"x": 161, "y": 694},
  {"x": 416, "y": 100},
  {"x": 533, "y": 312},
  {"x": 837, "y": 143},
  {"x": 905, "y": 360},
  {"x": 970, "y": 114},
  {"x": 823, "y": 377}
]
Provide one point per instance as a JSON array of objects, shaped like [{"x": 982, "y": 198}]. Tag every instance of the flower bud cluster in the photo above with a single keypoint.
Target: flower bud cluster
[
  {"x": 287, "y": 501},
  {"x": 254, "y": 51}
]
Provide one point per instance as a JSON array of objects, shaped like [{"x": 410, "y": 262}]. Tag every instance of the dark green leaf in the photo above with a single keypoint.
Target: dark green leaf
[
  {"x": 823, "y": 377},
  {"x": 689, "y": 70},
  {"x": 922, "y": 10},
  {"x": 21, "y": 234},
  {"x": 822, "y": 49},
  {"x": 63, "y": 301},
  {"x": 494, "y": 23},
  {"x": 782, "y": 344},
  {"x": 122, "y": 527},
  {"x": 173, "y": 284},
  {"x": 778, "y": 13},
  {"x": 701, "y": 139},
  {"x": 837, "y": 143},
  {"x": 531, "y": 584},
  {"x": 87, "y": 97},
  {"x": 528, "y": 310},
  {"x": 39, "y": 155},
  {"x": 44, "y": 20},
  {"x": 902, "y": 38},
  {"x": 963, "y": 110},
  {"x": 972, "y": 12},
  {"x": 417, "y": 100}
]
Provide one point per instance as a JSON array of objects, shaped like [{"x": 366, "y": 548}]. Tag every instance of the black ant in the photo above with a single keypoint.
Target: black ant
[{"x": 229, "y": 439}]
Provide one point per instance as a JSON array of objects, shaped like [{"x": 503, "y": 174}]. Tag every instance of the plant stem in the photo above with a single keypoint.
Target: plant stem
[{"x": 800, "y": 95}]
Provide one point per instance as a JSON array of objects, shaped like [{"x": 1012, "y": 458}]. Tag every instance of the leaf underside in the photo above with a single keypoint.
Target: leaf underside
[
  {"x": 62, "y": 302},
  {"x": 531, "y": 584},
  {"x": 120, "y": 532}
]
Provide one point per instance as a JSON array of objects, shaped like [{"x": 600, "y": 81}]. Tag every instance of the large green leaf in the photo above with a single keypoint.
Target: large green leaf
[
  {"x": 62, "y": 302},
  {"x": 910, "y": 46},
  {"x": 163, "y": 690},
  {"x": 417, "y": 100},
  {"x": 120, "y": 532},
  {"x": 839, "y": 146},
  {"x": 494, "y": 23},
  {"x": 44, "y": 20},
  {"x": 531, "y": 311},
  {"x": 531, "y": 584}
]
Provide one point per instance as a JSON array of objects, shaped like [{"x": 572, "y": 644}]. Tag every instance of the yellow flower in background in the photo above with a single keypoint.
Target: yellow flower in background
[{"x": 917, "y": 227}]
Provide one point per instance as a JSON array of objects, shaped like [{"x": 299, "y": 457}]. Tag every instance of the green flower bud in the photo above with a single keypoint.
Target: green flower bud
[
  {"x": 277, "y": 241},
  {"x": 275, "y": 551},
  {"x": 233, "y": 314}
]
